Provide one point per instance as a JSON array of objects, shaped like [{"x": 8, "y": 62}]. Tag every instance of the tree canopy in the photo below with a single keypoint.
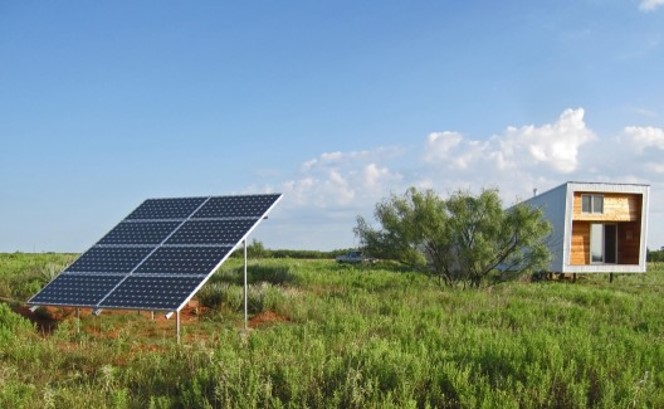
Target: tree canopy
[
  {"x": 656, "y": 255},
  {"x": 462, "y": 239}
]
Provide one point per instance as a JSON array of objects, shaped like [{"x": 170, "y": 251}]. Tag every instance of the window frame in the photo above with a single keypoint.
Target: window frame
[{"x": 594, "y": 202}]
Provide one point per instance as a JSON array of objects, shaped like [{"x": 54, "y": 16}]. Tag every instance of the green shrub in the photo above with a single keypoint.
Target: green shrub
[
  {"x": 215, "y": 295},
  {"x": 264, "y": 297},
  {"x": 261, "y": 297},
  {"x": 13, "y": 325}
]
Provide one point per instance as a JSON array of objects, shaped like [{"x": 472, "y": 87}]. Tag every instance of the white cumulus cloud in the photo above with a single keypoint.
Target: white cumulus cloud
[
  {"x": 376, "y": 178},
  {"x": 441, "y": 144},
  {"x": 336, "y": 156},
  {"x": 645, "y": 136},
  {"x": 655, "y": 167},
  {"x": 650, "y": 5},
  {"x": 338, "y": 178},
  {"x": 555, "y": 145},
  {"x": 337, "y": 186}
]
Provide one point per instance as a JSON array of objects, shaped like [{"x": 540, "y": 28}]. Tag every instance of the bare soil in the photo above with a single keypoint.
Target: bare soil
[{"x": 266, "y": 318}]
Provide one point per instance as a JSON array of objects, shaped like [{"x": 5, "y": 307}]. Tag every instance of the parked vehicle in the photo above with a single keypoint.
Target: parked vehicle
[{"x": 355, "y": 257}]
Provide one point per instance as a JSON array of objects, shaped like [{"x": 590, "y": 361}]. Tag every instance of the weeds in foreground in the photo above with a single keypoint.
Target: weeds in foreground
[{"x": 357, "y": 337}]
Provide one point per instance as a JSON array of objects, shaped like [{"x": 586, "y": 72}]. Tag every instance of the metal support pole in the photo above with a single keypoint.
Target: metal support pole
[
  {"x": 246, "y": 312},
  {"x": 177, "y": 326},
  {"x": 152, "y": 315},
  {"x": 610, "y": 277},
  {"x": 78, "y": 320}
]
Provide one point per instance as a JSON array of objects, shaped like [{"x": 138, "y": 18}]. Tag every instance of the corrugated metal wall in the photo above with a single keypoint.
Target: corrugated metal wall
[{"x": 553, "y": 204}]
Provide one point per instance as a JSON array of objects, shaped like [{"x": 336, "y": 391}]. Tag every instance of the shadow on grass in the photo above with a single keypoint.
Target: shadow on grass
[
  {"x": 382, "y": 265},
  {"x": 255, "y": 274},
  {"x": 43, "y": 321}
]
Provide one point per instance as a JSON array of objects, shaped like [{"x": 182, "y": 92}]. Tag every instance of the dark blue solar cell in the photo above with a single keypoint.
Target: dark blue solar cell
[
  {"x": 236, "y": 206},
  {"x": 166, "y": 208},
  {"x": 76, "y": 290},
  {"x": 212, "y": 231},
  {"x": 183, "y": 260},
  {"x": 109, "y": 259},
  {"x": 139, "y": 232},
  {"x": 155, "y": 293}
]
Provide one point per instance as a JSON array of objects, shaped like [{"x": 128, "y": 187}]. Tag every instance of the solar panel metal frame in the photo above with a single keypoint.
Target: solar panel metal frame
[{"x": 204, "y": 277}]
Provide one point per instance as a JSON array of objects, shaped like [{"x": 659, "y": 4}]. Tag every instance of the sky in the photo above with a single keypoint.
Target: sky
[{"x": 335, "y": 104}]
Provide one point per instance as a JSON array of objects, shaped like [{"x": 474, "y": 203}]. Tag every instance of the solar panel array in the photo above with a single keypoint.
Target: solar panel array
[{"x": 159, "y": 255}]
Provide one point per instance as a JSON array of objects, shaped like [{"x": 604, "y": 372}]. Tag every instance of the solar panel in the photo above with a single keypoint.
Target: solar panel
[
  {"x": 167, "y": 208},
  {"x": 156, "y": 293},
  {"x": 212, "y": 231},
  {"x": 183, "y": 260},
  {"x": 109, "y": 260},
  {"x": 76, "y": 290},
  {"x": 236, "y": 206},
  {"x": 159, "y": 255},
  {"x": 139, "y": 233}
]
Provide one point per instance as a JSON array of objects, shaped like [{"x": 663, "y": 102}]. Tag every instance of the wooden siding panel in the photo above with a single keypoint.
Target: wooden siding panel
[
  {"x": 628, "y": 243},
  {"x": 580, "y": 243},
  {"x": 629, "y": 235},
  {"x": 618, "y": 207}
]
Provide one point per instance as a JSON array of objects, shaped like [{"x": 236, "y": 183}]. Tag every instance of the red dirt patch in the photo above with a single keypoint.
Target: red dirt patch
[
  {"x": 48, "y": 318},
  {"x": 266, "y": 318}
]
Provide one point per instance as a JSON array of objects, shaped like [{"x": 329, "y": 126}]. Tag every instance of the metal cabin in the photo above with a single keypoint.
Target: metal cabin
[{"x": 597, "y": 227}]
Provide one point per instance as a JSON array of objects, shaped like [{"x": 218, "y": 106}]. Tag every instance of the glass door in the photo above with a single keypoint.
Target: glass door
[
  {"x": 596, "y": 243},
  {"x": 603, "y": 243}
]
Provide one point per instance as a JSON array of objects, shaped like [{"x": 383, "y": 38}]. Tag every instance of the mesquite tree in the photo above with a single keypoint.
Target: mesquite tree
[{"x": 462, "y": 239}]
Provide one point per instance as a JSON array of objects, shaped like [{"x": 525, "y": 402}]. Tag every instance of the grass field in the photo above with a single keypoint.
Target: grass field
[{"x": 327, "y": 335}]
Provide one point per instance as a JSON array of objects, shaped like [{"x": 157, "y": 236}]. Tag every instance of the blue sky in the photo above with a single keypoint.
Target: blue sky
[{"x": 335, "y": 104}]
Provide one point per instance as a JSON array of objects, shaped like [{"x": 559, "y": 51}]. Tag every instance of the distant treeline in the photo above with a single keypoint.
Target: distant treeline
[
  {"x": 257, "y": 250},
  {"x": 656, "y": 255}
]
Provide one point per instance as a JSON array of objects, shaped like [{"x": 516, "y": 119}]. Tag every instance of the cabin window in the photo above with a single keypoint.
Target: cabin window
[{"x": 592, "y": 203}]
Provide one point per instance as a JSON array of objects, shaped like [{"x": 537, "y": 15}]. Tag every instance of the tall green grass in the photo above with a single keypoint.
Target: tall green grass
[
  {"x": 22, "y": 275},
  {"x": 356, "y": 337}
]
